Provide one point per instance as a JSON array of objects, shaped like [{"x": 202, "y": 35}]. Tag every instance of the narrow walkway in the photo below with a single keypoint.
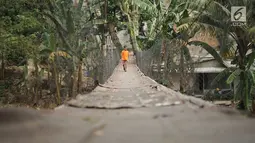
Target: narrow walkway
[
  {"x": 188, "y": 122},
  {"x": 129, "y": 89}
]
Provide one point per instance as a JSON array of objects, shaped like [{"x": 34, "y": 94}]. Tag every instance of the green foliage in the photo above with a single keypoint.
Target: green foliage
[
  {"x": 187, "y": 54},
  {"x": 214, "y": 15},
  {"x": 114, "y": 13},
  {"x": 225, "y": 73},
  {"x": 217, "y": 16},
  {"x": 20, "y": 28},
  {"x": 233, "y": 76},
  {"x": 250, "y": 59}
]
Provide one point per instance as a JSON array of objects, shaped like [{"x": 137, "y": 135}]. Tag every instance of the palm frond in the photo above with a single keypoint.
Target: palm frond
[
  {"x": 207, "y": 19},
  {"x": 187, "y": 54},
  {"x": 225, "y": 73},
  {"x": 146, "y": 5},
  {"x": 45, "y": 51},
  {"x": 249, "y": 83},
  {"x": 70, "y": 22},
  {"x": 56, "y": 20},
  {"x": 251, "y": 58},
  {"x": 252, "y": 30},
  {"x": 223, "y": 8},
  {"x": 52, "y": 42},
  {"x": 233, "y": 76}
]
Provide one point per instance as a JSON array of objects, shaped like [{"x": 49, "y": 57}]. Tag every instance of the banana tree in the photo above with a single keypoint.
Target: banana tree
[
  {"x": 3, "y": 51},
  {"x": 131, "y": 11},
  {"x": 218, "y": 16},
  {"x": 69, "y": 21},
  {"x": 166, "y": 14},
  {"x": 49, "y": 50},
  {"x": 174, "y": 23},
  {"x": 113, "y": 20}
]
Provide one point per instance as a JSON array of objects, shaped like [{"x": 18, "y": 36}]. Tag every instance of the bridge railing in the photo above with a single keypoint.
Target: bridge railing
[
  {"x": 162, "y": 63},
  {"x": 109, "y": 62},
  {"x": 100, "y": 64}
]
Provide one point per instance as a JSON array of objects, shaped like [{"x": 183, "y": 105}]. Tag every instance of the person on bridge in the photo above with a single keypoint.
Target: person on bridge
[{"x": 124, "y": 58}]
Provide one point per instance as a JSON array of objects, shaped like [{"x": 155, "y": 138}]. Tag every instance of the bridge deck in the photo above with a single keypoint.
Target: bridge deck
[{"x": 129, "y": 89}]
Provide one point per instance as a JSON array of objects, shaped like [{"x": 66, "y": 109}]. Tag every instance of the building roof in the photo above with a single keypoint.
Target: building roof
[{"x": 209, "y": 70}]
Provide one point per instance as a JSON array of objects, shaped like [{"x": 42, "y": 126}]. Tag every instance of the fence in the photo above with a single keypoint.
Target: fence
[
  {"x": 100, "y": 64},
  {"x": 167, "y": 63},
  {"x": 163, "y": 63},
  {"x": 109, "y": 62}
]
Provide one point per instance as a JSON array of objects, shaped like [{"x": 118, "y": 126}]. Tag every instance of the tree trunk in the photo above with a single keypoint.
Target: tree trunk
[
  {"x": 132, "y": 33},
  {"x": 132, "y": 14},
  {"x": 79, "y": 76},
  {"x": 3, "y": 66},
  {"x": 103, "y": 44},
  {"x": 114, "y": 36},
  {"x": 182, "y": 71},
  {"x": 134, "y": 43},
  {"x": 74, "y": 78},
  {"x": 133, "y": 38},
  {"x": 37, "y": 80},
  {"x": 48, "y": 72},
  {"x": 134, "y": 18},
  {"x": 163, "y": 50},
  {"x": 164, "y": 59},
  {"x": 56, "y": 83},
  {"x": 74, "y": 85},
  {"x": 253, "y": 106}
]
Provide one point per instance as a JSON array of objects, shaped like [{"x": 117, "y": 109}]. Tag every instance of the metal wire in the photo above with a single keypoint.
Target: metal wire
[{"x": 162, "y": 63}]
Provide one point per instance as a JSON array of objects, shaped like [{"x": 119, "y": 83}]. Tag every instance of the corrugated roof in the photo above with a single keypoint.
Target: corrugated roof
[{"x": 209, "y": 70}]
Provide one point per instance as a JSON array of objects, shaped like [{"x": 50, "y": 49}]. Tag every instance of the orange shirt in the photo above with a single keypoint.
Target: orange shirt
[{"x": 124, "y": 55}]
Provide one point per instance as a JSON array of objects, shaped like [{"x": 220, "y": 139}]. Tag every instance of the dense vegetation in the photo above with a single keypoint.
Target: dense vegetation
[{"x": 55, "y": 36}]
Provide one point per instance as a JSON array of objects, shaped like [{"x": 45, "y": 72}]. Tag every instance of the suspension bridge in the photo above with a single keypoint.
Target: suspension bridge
[{"x": 128, "y": 107}]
